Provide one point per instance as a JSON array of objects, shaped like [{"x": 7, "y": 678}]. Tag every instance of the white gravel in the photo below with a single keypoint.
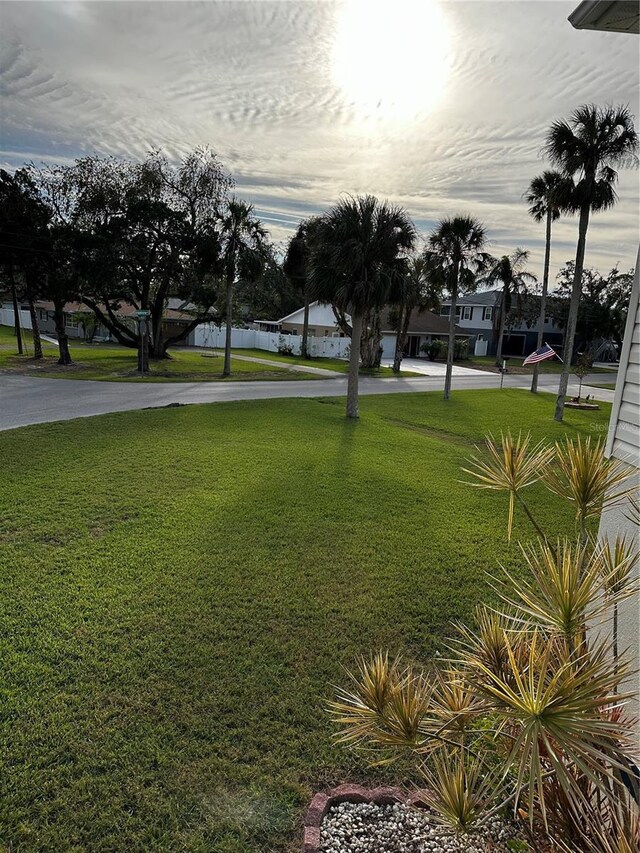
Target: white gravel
[{"x": 370, "y": 828}]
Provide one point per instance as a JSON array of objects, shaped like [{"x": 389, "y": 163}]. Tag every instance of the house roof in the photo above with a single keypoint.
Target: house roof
[
  {"x": 486, "y": 297},
  {"x": 617, "y": 16},
  {"x": 423, "y": 323},
  {"x": 125, "y": 309},
  {"x": 293, "y": 313}
]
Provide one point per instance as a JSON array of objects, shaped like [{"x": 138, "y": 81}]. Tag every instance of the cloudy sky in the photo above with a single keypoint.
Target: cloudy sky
[{"x": 440, "y": 106}]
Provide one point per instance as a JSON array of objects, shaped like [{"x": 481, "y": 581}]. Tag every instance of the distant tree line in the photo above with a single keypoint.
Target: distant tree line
[{"x": 105, "y": 232}]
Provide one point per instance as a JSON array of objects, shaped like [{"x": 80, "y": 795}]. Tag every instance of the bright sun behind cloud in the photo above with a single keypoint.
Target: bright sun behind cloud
[{"x": 391, "y": 59}]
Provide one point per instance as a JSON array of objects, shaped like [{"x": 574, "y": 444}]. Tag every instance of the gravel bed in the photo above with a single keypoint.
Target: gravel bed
[{"x": 372, "y": 828}]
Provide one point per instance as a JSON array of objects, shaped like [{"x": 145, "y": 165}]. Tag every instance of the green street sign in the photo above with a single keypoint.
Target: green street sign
[{"x": 143, "y": 314}]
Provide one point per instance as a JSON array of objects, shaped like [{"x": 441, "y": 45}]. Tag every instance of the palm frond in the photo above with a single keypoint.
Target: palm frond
[
  {"x": 510, "y": 466},
  {"x": 583, "y": 475},
  {"x": 459, "y": 789}
]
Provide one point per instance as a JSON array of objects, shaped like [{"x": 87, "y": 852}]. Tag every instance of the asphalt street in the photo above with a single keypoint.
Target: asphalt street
[{"x": 28, "y": 400}]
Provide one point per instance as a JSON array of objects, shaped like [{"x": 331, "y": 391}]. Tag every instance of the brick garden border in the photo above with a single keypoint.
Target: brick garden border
[{"x": 321, "y": 803}]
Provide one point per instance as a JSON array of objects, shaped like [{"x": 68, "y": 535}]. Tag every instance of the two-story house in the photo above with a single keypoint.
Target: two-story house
[{"x": 477, "y": 314}]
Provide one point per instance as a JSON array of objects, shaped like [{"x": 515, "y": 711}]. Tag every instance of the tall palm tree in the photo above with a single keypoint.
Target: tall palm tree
[
  {"x": 508, "y": 271},
  {"x": 358, "y": 260},
  {"x": 296, "y": 268},
  {"x": 455, "y": 251},
  {"x": 548, "y": 196},
  {"x": 588, "y": 148},
  {"x": 243, "y": 242}
]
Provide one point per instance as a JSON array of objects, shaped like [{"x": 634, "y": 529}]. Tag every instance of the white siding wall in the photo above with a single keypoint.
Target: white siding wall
[
  {"x": 319, "y": 315},
  {"x": 623, "y": 440}
]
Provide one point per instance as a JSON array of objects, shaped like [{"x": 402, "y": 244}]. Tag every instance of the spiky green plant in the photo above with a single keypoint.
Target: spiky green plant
[
  {"x": 563, "y": 594},
  {"x": 459, "y": 789},
  {"x": 527, "y": 712},
  {"x": 510, "y": 466},
  {"x": 583, "y": 475}
]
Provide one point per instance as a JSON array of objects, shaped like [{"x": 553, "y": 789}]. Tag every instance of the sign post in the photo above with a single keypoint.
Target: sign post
[{"x": 141, "y": 316}]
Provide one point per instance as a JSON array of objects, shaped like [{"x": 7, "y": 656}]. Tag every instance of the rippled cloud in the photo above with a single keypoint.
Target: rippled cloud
[{"x": 257, "y": 82}]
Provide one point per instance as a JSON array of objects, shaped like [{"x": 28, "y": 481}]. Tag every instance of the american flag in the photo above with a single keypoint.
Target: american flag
[{"x": 541, "y": 354}]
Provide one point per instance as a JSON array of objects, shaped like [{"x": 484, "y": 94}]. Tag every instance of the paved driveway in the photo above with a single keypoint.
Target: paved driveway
[
  {"x": 29, "y": 400},
  {"x": 432, "y": 368}
]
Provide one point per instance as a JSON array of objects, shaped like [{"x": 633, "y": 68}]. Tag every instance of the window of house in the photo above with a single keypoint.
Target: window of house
[
  {"x": 42, "y": 314},
  {"x": 467, "y": 312},
  {"x": 70, "y": 322},
  {"x": 294, "y": 331},
  {"x": 445, "y": 310},
  {"x": 487, "y": 313}
]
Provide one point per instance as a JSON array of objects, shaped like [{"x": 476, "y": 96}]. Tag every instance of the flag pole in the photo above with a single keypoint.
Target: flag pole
[{"x": 557, "y": 356}]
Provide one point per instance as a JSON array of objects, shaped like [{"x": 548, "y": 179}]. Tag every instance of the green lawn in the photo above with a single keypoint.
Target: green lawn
[
  {"x": 514, "y": 365},
  {"x": 340, "y": 365},
  {"x": 114, "y": 363},
  {"x": 179, "y": 588},
  {"x": 610, "y": 386}
]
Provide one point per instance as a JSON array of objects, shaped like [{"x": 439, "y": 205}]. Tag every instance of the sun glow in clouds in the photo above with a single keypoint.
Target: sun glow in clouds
[{"x": 391, "y": 58}]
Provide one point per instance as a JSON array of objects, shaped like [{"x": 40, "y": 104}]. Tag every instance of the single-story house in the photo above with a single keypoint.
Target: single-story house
[
  {"x": 424, "y": 328},
  {"x": 177, "y": 314},
  {"x": 322, "y": 322}
]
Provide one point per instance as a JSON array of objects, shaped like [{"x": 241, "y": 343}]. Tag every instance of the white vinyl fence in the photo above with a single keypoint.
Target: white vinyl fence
[
  {"x": 210, "y": 335},
  {"x": 7, "y": 318}
]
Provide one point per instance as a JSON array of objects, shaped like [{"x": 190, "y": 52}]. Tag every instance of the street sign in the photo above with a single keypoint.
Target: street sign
[{"x": 142, "y": 314}]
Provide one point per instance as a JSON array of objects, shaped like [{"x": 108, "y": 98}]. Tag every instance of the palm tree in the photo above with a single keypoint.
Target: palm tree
[
  {"x": 547, "y": 196},
  {"x": 296, "y": 268},
  {"x": 243, "y": 249},
  {"x": 455, "y": 251},
  {"x": 588, "y": 148},
  {"x": 510, "y": 272},
  {"x": 421, "y": 291},
  {"x": 357, "y": 263}
]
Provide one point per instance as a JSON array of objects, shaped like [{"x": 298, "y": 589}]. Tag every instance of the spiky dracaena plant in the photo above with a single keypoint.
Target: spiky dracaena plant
[{"x": 528, "y": 713}]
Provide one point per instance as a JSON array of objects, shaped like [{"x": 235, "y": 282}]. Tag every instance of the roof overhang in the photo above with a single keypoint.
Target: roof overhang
[{"x": 614, "y": 16}]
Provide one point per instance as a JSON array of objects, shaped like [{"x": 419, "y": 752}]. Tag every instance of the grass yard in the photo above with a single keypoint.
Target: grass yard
[
  {"x": 113, "y": 363},
  {"x": 340, "y": 365},
  {"x": 515, "y": 366},
  {"x": 180, "y": 587},
  {"x": 610, "y": 386}
]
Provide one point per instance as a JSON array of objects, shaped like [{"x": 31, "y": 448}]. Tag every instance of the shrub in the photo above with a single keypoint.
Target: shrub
[
  {"x": 526, "y": 714},
  {"x": 434, "y": 349},
  {"x": 461, "y": 349},
  {"x": 284, "y": 348}
]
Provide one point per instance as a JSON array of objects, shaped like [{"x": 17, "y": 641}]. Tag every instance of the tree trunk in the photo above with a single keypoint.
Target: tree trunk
[
  {"x": 354, "y": 366},
  {"x": 304, "y": 346},
  {"x": 401, "y": 338},
  {"x": 574, "y": 305},
  {"x": 227, "y": 337},
  {"x": 452, "y": 334},
  {"x": 503, "y": 320},
  {"x": 35, "y": 329},
  {"x": 16, "y": 311},
  {"x": 543, "y": 301},
  {"x": 61, "y": 333},
  {"x": 371, "y": 339}
]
